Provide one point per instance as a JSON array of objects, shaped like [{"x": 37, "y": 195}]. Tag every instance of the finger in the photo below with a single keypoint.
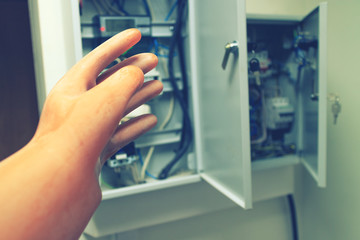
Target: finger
[
  {"x": 88, "y": 68},
  {"x": 147, "y": 92},
  {"x": 145, "y": 61},
  {"x": 126, "y": 133},
  {"x": 109, "y": 99}
]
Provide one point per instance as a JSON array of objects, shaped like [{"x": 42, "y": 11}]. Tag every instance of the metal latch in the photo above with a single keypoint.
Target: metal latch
[{"x": 232, "y": 47}]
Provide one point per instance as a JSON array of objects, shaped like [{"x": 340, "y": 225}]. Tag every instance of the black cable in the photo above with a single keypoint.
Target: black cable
[
  {"x": 292, "y": 208},
  {"x": 186, "y": 122},
  {"x": 186, "y": 137},
  {"x": 183, "y": 71},
  {"x": 182, "y": 61},
  {"x": 186, "y": 134}
]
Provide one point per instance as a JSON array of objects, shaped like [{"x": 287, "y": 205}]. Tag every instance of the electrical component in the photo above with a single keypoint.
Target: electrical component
[
  {"x": 152, "y": 75},
  {"x": 263, "y": 60},
  {"x": 121, "y": 170},
  {"x": 141, "y": 110},
  {"x": 126, "y": 155},
  {"x": 259, "y": 65},
  {"x": 255, "y": 69},
  {"x": 111, "y": 25},
  {"x": 121, "y": 159},
  {"x": 162, "y": 29},
  {"x": 279, "y": 113},
  {"x": 257, "y": 115},
  {"x": 303, "y": 42}
]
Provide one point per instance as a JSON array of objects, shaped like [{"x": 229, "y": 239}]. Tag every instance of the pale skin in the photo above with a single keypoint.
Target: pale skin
[{"x": 49, "y": 189}]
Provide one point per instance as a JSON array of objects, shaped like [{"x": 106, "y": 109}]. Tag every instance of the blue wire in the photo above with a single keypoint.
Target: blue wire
[
  {"x": 171, "y": 10},
  {"x": 155, "y": 44}
]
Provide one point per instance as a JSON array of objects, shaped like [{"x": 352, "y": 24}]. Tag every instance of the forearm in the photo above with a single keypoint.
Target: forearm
[{"x": 44, "y": 196}]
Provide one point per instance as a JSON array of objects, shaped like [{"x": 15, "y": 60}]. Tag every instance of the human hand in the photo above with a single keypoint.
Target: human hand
[
  {"x": 50, "y": 187},
  {"x": 83, "y": 110}
]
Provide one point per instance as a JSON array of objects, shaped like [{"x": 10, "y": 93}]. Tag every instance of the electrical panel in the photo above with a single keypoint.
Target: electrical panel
[
  {"x": 165, "y": 151},
  {"x": 275, "y": 64},
  {"x": 287, "y": 90}
]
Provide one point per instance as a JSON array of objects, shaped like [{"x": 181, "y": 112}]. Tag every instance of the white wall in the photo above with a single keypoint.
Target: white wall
[
  {"x": 333, "y": 213},
  {"x": 268, "y": 220},
  {"x": 282, "y": 7}
]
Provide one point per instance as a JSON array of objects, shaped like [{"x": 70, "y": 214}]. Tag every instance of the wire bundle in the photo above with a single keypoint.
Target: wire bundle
[{"x": 181, "y": 96}]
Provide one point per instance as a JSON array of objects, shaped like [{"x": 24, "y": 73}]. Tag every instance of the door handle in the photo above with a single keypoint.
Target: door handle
[{"x": 232, "y": 47}]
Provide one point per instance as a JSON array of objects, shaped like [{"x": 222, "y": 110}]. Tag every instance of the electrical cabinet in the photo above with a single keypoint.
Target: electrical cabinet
[
  {"x": 257, "y": 103},
  {"x": 222, "y": 95}
]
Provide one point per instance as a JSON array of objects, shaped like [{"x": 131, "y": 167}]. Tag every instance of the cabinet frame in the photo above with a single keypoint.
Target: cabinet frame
[{"x": 64, "y": 15}]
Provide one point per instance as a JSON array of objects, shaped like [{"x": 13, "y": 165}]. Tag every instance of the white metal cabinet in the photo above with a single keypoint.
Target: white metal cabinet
[
  {"x": 313, "y": 154},
  {"x": 221, "y": 114},
  {"x": 221, "y": 97}
]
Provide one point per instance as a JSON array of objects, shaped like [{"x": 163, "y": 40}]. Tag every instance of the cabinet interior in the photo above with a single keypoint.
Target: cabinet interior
[
  {"x": 159, "y": 146},
  {"x": 282, "y": 58}
]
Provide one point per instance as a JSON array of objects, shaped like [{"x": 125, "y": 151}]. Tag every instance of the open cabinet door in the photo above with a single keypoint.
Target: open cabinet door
[
  {"x": 220, "y": 96},
  {"x": 314, "y": 97}
]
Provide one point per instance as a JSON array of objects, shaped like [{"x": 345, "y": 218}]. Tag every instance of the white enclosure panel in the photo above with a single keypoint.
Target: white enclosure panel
[
  {"x": 55, "y": 30},
  {"x": 155, "y": 207},
  {"x": 221, "y": 96},
  {"x": 313, "y": 81},
  {"x": 149, "y": 208}
]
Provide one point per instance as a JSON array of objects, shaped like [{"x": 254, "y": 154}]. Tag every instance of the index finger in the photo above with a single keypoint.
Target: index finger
[{"x": 93, "y": 63}]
